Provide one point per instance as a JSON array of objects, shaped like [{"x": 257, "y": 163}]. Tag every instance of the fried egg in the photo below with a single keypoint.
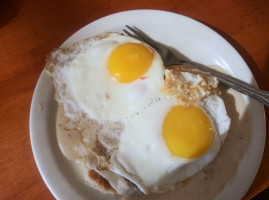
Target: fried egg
[
  {"x": 152, "y": 132},
  {"x": 115, "y": 78},
  {"x": 169, "y": 143}
]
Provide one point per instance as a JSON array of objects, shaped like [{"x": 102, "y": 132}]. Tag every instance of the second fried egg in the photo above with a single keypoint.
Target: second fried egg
[{"x": 168, "y": 143}]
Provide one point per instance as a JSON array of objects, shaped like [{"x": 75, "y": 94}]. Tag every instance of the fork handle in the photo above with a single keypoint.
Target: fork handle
[
  {"x": 260, "y": 95},
  {"x": 238, "y": 85}
]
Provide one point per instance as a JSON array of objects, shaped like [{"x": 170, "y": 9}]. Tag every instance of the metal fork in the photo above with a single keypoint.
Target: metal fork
[{"x": 170, "y": 58}]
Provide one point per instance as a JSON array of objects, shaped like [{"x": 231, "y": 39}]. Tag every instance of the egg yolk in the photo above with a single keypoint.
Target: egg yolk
[
  {"x": 129, "y": 61},
  {"x": 187, "y": 131}
]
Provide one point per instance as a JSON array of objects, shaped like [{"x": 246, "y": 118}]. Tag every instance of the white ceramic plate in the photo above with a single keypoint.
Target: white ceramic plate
[{"x": 191, "y": 38}]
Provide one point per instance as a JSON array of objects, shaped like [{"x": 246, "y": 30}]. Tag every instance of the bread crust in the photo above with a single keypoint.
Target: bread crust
[{"x": 188, "y": 85}]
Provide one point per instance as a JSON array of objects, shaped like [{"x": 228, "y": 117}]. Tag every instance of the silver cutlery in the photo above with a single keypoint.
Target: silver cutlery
[{"x": 170, "y": 58}]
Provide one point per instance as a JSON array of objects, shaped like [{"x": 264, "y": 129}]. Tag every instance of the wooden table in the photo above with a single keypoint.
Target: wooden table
[{"x": 29, "y": 30}]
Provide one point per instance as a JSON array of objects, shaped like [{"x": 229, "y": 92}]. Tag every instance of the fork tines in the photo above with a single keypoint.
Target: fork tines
[{"x": 140, "y": 35}]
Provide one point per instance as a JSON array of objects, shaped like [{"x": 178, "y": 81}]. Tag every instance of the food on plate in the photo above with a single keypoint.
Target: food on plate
[{"x": 129, "y": 123}]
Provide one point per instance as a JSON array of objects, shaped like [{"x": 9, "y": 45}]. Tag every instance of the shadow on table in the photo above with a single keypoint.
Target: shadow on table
[
  {"x": 262, "y": 196},
  {"x": 8, "y": 10}
]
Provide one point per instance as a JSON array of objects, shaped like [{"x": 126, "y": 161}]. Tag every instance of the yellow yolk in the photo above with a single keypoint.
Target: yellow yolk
[
  {"x": 129, "y": 62},
  {"x": 187, "y": 131}
]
